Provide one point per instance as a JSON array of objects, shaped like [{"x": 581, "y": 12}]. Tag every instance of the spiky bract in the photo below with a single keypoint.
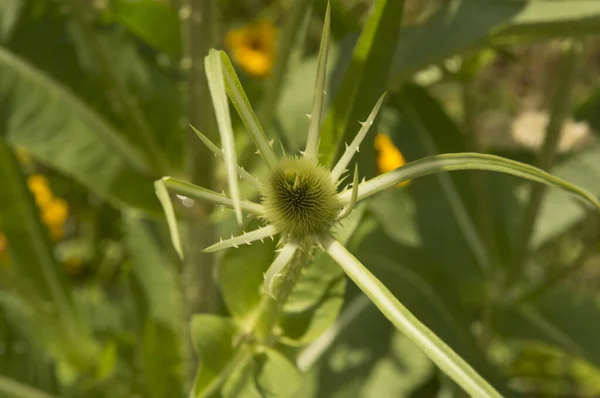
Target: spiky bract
[{"x": 299, "y": 197}]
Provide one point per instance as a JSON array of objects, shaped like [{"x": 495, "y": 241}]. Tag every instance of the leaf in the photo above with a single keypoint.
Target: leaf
[
  {"x": 167, "y": 205},
  {"x": 30, "y": 247},
  {"x": 466, "y": 161},
  {"x": 262, "y": 378},
  {"x": 214, "y": 75},
  {"x": 545, "y": 20},
  {"x": 9, "y": 15},
  {"x": 212, "y": 337},
  {"x": 161, "y": 311},
  {"x": 465, "y": 25},
  {"x": 61, "y": 131},
  {"x": 153, "y": 21},
  {"x": 314, "y": 125},
  {"x": 562, "y": 317},
  {"x": 244, "y": 109},
  {"x": 318, "y": 296},
  {"x": 365, "y": 79},
  {"x": 18, "y": 390},
  {"x": 440, "y": 353}
]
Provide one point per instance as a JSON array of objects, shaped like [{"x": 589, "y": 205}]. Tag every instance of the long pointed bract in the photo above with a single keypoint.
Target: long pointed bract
[
  {"x": 214, "y": 74},
  {"x": 438, "y": 351},
  {"x": 283, "y": 258},
  {"x": 167, "y": 205},
  {"x": 312, "y": 141},
  {"x": 341, "y": 165},
  {"x": 464, "y": 161},
  {"x": 206, "y": 195},
  {"x": 353, "y": 198},
  {"x": 244, "y": 239},
  {"x": 244, "y": 109},
  {"x": 219, "y": 153}
]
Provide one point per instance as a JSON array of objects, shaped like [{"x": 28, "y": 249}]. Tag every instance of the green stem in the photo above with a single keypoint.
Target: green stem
[
  {"x": 559, "y": 113},
  {"x": 139, "y": 127},
  {"x": 564, "y": 273},
  {"x": 269, "y": 309},
  {"x": 199, "y": 33}
]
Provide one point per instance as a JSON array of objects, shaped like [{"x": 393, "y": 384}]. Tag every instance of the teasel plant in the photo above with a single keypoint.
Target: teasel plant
[{"x": 301, "y": 203}]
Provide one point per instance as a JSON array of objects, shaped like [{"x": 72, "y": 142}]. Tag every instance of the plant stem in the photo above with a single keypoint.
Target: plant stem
[
  {"x": 269, "y": 309},
  {"x": 551, "y": 281},
  {"x": 559, "y": 112},
  {"x": 139, "y": 127},
  {"x": 199, "y": 34}
]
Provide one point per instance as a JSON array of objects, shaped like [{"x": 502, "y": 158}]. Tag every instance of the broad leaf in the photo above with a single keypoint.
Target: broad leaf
[
  {"x": 153, "y": 21},
  {"x": 160, "y": 310},
  {"x": 212, "y": 337},
  {"x": 64, "y": 133},
  {"x": 562, "y": 317}
]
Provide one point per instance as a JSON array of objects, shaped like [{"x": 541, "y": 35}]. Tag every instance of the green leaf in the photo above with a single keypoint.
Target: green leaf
[
  {"x": 241, "y": 275},
  {"x": 30, "y": 247},
  {"x": 153, "y": 21},
  {"x": 557, "y": 212},
  {"x": 212, "y": 337},
  {"x": 440, "y": 353},
  {"x": 550, "y": 19},
  {"x": 161, "y": 313},
  {"x": 244, "y": 109},
  {"x": 268, "y": 375},
  {"x": 365, "y": 79},
  {"x": 466, "y": 161},
  {"x": 9, "y": 15},
  {"x": 463, "y": 25},
  {"x": 562, "y": 317},
  {"x": 64, "y": 133},
  {"x": 167, "y": 205},
  {"x": 318, "y": 296},
  {"x": 312, "y": 140},
  {"x": 214, "y": 74},
  {"x": 18, "y": 390}
]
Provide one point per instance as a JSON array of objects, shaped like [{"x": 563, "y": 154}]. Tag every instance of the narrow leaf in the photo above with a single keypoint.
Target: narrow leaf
[
  {"x": 341, "y": 165},
  {"x": 244, "y": 109},
  {"x": 16, "y": 389},
  {"x": 167, "y": 205},
  {"x": 440, "y": 353},
  {"x": 464, "y": 161},
  {"x": 285, "y": 256},
  {"x": 353, "y": 197},
  {"x": 244, "y": 239},
  {"x": 312, "y": 141},
  {"x": 195, "y": 192},
  {"x": 214, "y": 74},
  {"x": 219, "y": 153}
]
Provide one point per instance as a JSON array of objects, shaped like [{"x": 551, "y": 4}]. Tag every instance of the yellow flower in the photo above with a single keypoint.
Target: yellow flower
[
  {"x": 388, "y": 156},
  {"x": 54, "y": 215},
  {"x": 253, "y": 47},
  {"x": 38, "y": 185}
]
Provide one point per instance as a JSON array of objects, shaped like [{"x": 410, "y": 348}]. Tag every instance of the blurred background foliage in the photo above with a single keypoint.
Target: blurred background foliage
[{"x": 95, "y": 101}]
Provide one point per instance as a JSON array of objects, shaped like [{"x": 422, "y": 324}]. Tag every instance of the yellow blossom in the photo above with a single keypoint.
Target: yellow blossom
[
  {"x": 389, "y": 156},
  {"x": 54, "y": 215},
  {"x": 38, "y": 185},
  {"x": 253, "y": 47}
]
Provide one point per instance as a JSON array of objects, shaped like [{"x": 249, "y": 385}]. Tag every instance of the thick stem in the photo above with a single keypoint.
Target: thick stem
[
  {"x": 558, "y": 114},
  {"x": 270, "y": 306},
  {"x": 199, "y": 34}
]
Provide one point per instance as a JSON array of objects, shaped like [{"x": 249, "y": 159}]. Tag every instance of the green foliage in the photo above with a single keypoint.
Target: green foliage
[{"x": 459, "y": 282}]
